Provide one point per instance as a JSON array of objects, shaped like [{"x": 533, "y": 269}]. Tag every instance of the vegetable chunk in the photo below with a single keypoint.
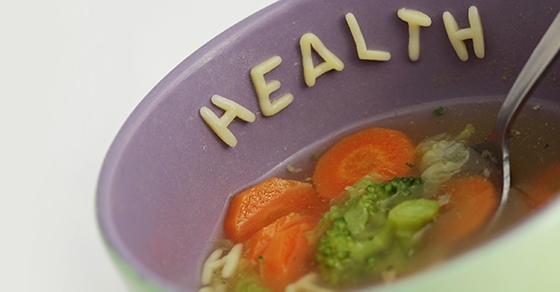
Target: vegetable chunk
[
  {"x": 413, "y": 215},
  {"x": 472, "y": 201},
  {"x": 380, "y": 152},
  {"x": 258, "y": 243},
  {"x": 258, "y": 206},
  {"x": 372, "y": 232},
  {"x": 288, "y": 257}
]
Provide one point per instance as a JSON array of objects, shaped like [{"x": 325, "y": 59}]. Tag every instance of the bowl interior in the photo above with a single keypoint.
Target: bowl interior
[{"x": 168, "y": 176}]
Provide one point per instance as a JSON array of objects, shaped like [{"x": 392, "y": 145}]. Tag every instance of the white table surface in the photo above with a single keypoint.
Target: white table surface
[{"x": 72, "y": 71}]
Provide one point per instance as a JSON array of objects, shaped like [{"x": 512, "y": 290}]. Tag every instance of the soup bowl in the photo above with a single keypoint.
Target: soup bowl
[{"x": 290, "y": 79}]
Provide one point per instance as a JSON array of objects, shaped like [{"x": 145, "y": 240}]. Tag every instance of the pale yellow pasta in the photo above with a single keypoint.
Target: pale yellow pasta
[
  {"x": 310, "y": 71},
  {"x": 224, "y": 267},
  {"x": 415, "y": 20},
  {"x": 220, "y": 124},
  {"x": 458, "y": 36},
  {"x": 363, "y": 52},
  {"x": 264, "y": 89}
]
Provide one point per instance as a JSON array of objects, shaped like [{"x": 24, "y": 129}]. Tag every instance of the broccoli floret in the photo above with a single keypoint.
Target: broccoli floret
[{"x": 372, "y": 231}]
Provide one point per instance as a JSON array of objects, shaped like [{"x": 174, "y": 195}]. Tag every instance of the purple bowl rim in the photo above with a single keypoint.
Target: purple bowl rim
[
  {"x": 190, "y": 64},
  {"x": 197, "y": 59}
]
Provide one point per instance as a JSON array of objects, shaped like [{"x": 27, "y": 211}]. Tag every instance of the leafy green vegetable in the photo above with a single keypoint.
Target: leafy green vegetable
[
  {"x": 438, "y": 112},
  {"x": 373, "y": 230},
  {"x": 443, "y": 156},
  {"x": 466, "y": 133}
]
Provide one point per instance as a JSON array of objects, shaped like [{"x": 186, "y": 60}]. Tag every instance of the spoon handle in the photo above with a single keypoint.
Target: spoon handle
[
  {"x": 540, "y": 59},
  {"x": 542, "y": 56}
]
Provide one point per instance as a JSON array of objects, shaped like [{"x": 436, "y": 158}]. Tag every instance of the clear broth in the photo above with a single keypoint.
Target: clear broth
[{"x": 534, "y": 145}]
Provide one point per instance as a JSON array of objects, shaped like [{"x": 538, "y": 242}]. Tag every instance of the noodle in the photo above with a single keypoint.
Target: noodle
[{"x": 214, "y": 265}]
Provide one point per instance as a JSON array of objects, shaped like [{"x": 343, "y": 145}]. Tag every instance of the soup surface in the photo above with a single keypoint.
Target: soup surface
[{"x": 380, "y": 200}]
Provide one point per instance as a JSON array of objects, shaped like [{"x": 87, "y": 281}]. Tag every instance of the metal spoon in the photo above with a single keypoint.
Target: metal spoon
[{"x": 497, "y": 144}]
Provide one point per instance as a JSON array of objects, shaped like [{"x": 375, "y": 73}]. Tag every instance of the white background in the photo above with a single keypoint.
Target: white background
[{"x": 71, "y": 73}]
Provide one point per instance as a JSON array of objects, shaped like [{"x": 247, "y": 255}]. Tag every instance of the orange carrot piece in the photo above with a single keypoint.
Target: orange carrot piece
[
  {"x": 472, "y": 201},
  {"x": 547, "y": 184},
  {"x": 259, "y": 242},
  {"x": 258, "y": 206},
  {"x": 379, "y": 151},
  {"x": 288, "y": 257}
]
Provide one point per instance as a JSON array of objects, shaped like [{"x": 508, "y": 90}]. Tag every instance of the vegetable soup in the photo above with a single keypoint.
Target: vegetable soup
[{"x": 383, "y": 199}]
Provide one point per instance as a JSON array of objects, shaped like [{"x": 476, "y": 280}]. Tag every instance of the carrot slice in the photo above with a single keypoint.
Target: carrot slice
[
  {"x": 288, "y": 257},
  {"x": 259, "y": 242},
  {"x": 258, "y": 206},
  {"x": 546, "y": 185},
  {"x": 380, "y": 151},
  {"x": 472, "y": 201}
]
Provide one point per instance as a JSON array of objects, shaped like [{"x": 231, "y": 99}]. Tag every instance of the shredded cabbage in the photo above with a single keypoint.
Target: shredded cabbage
[{"x": 443, "y": 156}]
